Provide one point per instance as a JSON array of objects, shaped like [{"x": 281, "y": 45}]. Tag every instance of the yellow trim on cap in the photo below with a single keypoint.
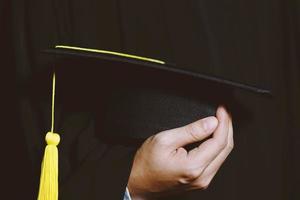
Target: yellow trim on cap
[{"x": 111, "y": 53}]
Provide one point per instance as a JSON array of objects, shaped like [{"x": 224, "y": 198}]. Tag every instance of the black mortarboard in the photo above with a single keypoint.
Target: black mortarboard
[
  {"x": 135, "y": 97},
  {"x": 131, "y": 97}
]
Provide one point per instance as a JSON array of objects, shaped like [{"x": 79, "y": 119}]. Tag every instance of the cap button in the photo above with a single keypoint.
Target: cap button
[{"x": 52, "y": 138}]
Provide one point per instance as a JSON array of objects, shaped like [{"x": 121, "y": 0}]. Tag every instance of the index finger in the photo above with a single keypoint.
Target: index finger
[{"x": 210, "y": 149}]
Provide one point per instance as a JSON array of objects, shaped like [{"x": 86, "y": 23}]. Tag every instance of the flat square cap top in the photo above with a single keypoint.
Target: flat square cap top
[{"x": 134, "y": 60}]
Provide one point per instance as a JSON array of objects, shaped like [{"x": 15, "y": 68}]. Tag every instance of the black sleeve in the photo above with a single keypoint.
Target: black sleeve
[
  {"x": 93, "y": 170},
  {"x": 103, "y": 178}
]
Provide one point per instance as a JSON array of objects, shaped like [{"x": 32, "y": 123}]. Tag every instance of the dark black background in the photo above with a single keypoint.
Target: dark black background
[{"x": 255, "y": 42}]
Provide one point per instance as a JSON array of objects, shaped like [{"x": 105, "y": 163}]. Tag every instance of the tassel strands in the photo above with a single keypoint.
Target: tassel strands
[{"x": 48, "y": 189}]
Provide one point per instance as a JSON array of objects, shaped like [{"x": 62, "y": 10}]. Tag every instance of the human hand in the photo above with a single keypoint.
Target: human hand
[{"x": 163, "y": 166}]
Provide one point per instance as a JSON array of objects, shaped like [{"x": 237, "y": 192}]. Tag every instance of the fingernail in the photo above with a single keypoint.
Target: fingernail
[
  {"x": 209, "y": 123},
  {"x": 222, "y": 112}
]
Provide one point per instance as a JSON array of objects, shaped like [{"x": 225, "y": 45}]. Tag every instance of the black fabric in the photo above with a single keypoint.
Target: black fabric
[{"x": 255, "y": 42}]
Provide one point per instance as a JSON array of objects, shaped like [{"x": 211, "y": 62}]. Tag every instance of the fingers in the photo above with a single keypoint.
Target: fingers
[
  {"x": 210, "y": 149},
  {"x": 211, "y": 170},
  {"x": 190, "y": 133}
]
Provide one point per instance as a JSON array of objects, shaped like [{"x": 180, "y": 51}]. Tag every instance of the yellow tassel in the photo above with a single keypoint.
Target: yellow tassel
[{"x": 49, "y": 173}]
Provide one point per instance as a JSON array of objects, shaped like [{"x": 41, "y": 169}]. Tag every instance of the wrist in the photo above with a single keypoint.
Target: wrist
[
  {"x": 137, "y": 193},
  {"x": 134, "y": 194}
]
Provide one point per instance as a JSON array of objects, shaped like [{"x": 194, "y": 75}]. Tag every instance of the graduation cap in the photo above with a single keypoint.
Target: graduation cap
[{"x": 133, "y": 97}]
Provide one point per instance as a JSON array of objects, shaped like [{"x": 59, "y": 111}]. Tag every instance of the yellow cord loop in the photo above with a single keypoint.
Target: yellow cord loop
[{"x": 49, "y": 171}]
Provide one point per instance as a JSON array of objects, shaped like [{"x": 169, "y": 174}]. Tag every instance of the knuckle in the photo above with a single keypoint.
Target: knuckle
[
  {"x": 189, "y": 175},
  {"x": 203, "y": 184},
  {"x": 197, "y": 127},
  {"x": 231, "y": 145},
  {"x": 160, "y": 140},
  {"x": 194, "y": 129},
  {"x": 181, "y": 151},
  {"x": 221, "y": 144}
]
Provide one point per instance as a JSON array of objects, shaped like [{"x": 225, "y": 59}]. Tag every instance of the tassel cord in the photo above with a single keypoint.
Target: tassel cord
[{"x": 48, "y": 189}]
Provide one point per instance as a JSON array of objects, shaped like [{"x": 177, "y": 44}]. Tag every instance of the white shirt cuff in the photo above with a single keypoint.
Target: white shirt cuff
[{"x": 127, "y": 195}]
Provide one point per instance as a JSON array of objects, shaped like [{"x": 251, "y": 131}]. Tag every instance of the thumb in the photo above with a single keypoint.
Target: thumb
[{"x": 191, "y": 133}]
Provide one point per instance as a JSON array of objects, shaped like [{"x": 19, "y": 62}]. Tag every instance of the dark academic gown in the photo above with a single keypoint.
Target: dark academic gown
[{"x": 225, "y": 39}]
